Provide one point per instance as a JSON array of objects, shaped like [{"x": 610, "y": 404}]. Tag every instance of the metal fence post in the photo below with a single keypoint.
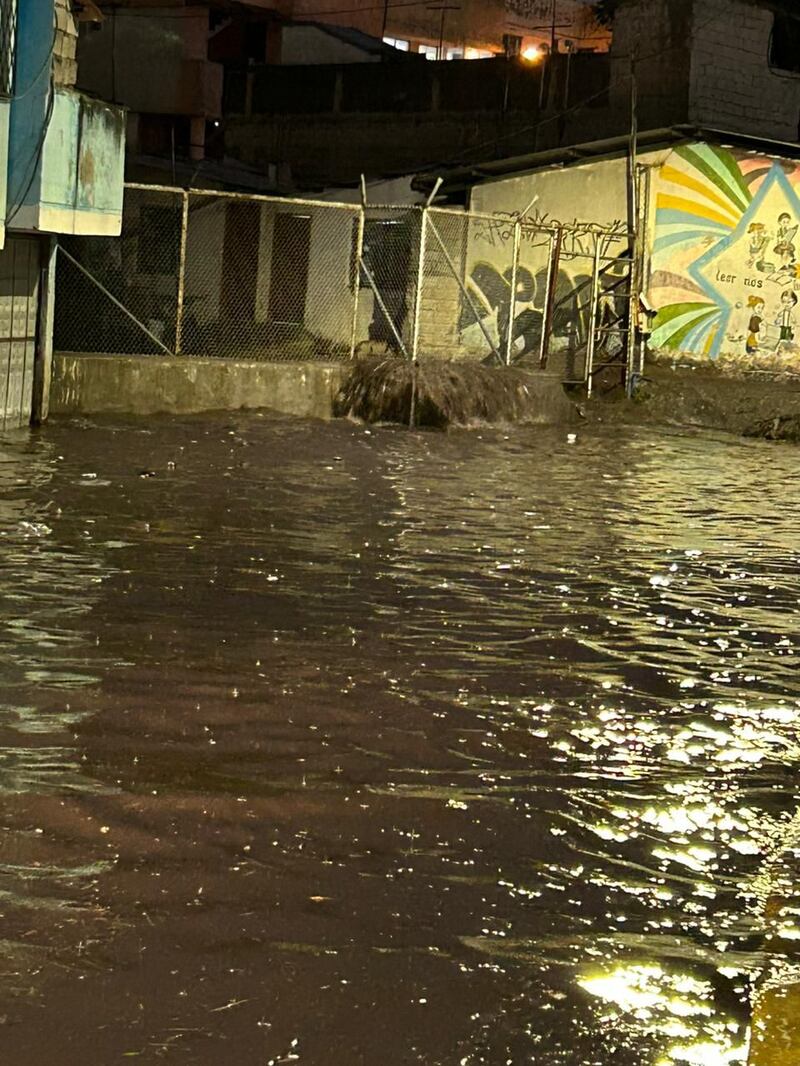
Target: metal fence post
[
  {"x": 423, "y": 247},
  {"x": 357, "y": 281},
  {"x": 591, "y": 340},
  {"x": 553, "y": 267},
  {"x": 512, "y": 296},
  {"x": 181, "y": 273}
]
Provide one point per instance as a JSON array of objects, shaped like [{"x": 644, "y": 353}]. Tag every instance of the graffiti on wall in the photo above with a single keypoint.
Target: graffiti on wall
[
  {"x": 490, "y": 276},
  {"x": 725, "y": 269}
]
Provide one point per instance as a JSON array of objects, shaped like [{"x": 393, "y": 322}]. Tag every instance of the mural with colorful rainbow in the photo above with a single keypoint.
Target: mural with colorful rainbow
[{"x": 725, "y": 264}]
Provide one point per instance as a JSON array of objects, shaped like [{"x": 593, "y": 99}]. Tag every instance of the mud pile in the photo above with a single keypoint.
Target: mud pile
[{"x": 436, "y": 394}]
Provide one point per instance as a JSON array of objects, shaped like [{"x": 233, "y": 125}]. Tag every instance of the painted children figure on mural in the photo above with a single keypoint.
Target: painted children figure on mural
[
  {"x": 787, "y": 233},
  {"x": 785, "y": 249},
  {"x": 787, "y": 316},
  {"x": 756, "y": 305},
  {"x": 759, "y": 239}
]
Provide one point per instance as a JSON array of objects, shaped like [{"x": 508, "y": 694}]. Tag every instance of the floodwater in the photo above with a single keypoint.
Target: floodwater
[{"x": 330, "y": 746}]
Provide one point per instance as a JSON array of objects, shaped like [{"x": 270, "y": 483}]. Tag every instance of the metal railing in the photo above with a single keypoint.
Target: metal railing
[{"x": 230, "y": 275}]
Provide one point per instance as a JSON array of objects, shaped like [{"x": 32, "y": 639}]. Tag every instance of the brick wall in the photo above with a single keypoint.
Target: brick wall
[{"x": 732, "y": 86}]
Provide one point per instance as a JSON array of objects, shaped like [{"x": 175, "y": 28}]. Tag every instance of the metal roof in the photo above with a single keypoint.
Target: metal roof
[{"x": 458, "y": 179}]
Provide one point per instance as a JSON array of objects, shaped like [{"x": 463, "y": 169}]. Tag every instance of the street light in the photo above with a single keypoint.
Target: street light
[{"x": 532, "y": 54}]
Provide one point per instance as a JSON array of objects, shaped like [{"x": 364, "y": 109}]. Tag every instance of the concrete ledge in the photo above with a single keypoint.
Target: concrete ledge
[{"x": 87, "y": 383}]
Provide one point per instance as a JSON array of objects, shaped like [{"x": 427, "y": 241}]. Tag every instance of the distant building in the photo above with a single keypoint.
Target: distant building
[
  {"x": 61, "y": 171},
  {"x": 467, "y": 29}
]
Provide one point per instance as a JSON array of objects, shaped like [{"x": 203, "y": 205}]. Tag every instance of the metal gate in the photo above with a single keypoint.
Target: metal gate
[{"x": 19, "y": 304}]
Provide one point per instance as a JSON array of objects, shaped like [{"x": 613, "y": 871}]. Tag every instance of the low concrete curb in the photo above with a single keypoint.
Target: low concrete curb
[{"x": 87, "y": 383}]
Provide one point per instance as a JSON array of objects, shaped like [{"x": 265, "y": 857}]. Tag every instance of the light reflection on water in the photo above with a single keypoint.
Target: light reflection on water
[{"x": 480, "y": 723}]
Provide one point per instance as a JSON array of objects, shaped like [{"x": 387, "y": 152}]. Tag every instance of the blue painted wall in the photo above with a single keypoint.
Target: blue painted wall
[
  {"x": 29, "y": 107},
  {"x": 66, "y": 150}
]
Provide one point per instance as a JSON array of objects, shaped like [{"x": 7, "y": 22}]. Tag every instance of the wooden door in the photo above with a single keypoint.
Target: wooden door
[{"x": 240, "y": 261}]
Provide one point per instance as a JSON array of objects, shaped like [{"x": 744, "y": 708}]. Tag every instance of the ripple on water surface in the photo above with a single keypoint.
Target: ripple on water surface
[{"x": 330, "y": 745}]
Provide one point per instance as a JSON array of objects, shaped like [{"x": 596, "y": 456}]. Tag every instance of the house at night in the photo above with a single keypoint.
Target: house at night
[{"x": 717, "y": 185}]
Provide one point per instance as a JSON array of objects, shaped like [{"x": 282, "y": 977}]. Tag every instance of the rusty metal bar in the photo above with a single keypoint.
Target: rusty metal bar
[
  {"x": 550, "y": 296},
  {"x": 224, "y": 194},
  {"x": 591, "y": 340},
  {"x": 512, "y": 295}
]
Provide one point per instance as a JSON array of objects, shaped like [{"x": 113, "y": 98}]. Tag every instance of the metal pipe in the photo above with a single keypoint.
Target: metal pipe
[
  {"x": 423, "y": 242},
  {"x": 465, "y": 292},
  {"x": 181, "y": 274},
  {"x": 382, "y": 305},
  {"x": 224, "y": 194},
  {"x": 512, "y": 295},
  {"x": 549, "y": 307},
  {"x": 62, "y": 251},
  {"x": 593, "y": 324},
  {"x": 434, "y": 191},
  {"x": 524, "y": 212},
  {"x": 357, "y": 282},
  {"x": 546, "y": 306}
]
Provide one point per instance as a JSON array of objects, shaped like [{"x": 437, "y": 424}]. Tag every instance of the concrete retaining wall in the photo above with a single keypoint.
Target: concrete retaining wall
[{"x": 144, "y": 385}]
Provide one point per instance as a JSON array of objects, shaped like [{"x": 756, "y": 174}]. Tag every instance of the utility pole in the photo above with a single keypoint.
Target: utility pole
[
  {"x": 385, "y": 18},
  {"x": 443, "y": 8},
  {"x": 553, "y": 30},
  {"x": 635, "y": 223}
]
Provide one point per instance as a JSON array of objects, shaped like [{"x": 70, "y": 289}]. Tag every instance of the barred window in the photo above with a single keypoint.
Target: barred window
[{"x": 8, "y": 32}]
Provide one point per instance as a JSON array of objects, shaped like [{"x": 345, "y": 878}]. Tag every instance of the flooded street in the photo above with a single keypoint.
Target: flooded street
[{"x": 336, "y": 746}]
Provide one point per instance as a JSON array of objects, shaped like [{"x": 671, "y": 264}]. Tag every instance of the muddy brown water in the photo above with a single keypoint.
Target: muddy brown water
[{"x": 327, "y": 745}]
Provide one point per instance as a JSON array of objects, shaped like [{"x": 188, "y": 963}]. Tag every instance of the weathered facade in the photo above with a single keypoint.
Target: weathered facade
[
  {"x": 722, "y": 64},
  {"x": 61, "y": 171}
]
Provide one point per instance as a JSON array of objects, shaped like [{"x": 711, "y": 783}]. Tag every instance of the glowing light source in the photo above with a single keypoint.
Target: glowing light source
[{"x": 532, "y": 54}]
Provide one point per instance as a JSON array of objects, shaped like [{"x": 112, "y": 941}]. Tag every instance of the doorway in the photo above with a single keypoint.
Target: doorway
[{"x": 288, "y": 286}]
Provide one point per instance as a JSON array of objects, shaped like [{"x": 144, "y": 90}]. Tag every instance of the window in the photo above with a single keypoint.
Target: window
[
  {"x": 455, "y": 53},
  {"x": 512, "y": 44},
  {"x": 430, "y": 51},
  {"x": 395, "y": 42},
  {"x": 784, "y": 45}
]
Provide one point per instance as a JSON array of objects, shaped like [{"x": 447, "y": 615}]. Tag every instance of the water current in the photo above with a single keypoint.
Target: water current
[{"x": 329, "y": 745}]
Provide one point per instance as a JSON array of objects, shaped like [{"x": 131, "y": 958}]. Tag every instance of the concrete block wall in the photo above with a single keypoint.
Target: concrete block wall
[
  {"x": 440, "y": 312},
  {"x": 65, "y": 67},
  {"x": 732, "y": 86},
  {"x": 655, "y": 36}
]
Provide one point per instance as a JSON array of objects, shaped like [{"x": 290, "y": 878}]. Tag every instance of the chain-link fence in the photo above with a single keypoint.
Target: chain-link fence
[
  {"x": 215, "y": 274},
  {"x": 227, "y": 275}
]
